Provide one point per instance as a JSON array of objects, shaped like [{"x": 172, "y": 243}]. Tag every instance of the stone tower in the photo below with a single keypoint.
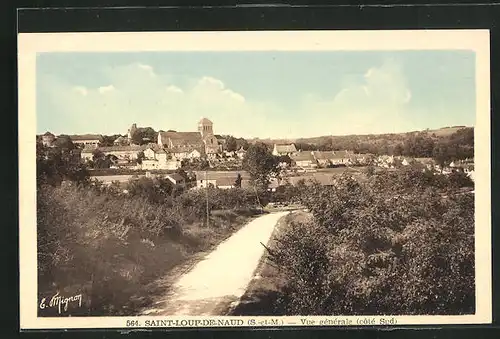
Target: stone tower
[
  {"x": 205, "y": 127},
  {"x": 131, "y": 131}
]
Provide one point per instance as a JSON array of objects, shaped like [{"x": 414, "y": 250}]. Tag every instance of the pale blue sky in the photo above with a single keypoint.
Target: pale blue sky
[{"x": 256, "y": 94}]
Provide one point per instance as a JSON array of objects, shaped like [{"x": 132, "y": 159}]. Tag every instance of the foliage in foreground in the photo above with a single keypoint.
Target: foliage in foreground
[
  {"x": 399, "y": 243},
  {"x": 109, "y": 246}
]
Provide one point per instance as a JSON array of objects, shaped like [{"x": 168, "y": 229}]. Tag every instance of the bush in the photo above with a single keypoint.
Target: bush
[
  {"x": 390, "y": 245},
  {"x": 107, "y": 245}
]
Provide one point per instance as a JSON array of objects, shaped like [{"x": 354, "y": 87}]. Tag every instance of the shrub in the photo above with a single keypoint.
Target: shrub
[{"x": 391, "y": 245}]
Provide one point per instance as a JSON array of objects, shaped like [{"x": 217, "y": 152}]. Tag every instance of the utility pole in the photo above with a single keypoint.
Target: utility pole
[{"x": 206, "y": 190}]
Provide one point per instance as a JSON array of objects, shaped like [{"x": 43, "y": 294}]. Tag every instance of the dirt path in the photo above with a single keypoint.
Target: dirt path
[{"x": 220, "y": 278}]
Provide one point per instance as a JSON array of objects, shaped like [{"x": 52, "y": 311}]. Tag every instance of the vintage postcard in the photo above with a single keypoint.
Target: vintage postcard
[{"x": 215, "y": 179}]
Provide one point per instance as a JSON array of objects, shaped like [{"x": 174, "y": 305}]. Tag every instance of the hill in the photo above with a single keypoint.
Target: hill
[{"x": 370, "y": 138}]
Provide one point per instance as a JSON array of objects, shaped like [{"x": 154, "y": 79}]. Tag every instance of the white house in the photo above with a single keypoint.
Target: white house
[
  {"x": 304, "y": 160},
  {"x": 149, "y": 153},
  {"x": 176, "y": 179},
  {"x": 341, "y": 157},
  {"x": 284, "y": 149},
  {"x": 86, "y": 140}
]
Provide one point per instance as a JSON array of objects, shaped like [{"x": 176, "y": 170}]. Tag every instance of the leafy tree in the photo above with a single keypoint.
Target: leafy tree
[
  {"x": 398, "y": 150},
  {"x": 64, "y": 142},
  {"x": 108, "y": 140},
  {"x": 388, "y": 226},
  {"x": 231, "y": 144},
  {"x": 284, "y": 159},
  {"x": 97, "y": 154},
  {"x": 55, "y": 164},
  {"x": 137, "y": 138},
  {"x": 242, "y": 143},
  {"x": 143, "y": 135},
  {"x": 140, "y": 157},
  {"x": 260, "y": 164},
  {"x": 442, "y": 154}
]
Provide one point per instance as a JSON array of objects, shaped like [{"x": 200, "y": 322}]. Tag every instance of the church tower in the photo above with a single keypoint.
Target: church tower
[
  {"x": 205, "y": 127},
  {"x": 131, "y": 131}
]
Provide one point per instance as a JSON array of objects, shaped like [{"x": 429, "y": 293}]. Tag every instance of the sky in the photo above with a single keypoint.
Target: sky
[{"x": 256, "y": 94}]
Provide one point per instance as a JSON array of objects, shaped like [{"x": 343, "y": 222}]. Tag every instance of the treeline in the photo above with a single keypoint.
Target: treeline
[
  {"x": 458, "y": 145},
  {"x": 397, "y": 243}
]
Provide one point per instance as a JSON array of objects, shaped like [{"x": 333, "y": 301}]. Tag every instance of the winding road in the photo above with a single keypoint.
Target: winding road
[{"x": 220, "y": 279}]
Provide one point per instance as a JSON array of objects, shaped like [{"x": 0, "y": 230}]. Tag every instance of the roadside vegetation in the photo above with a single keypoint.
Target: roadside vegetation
[{"x": 399, "y": 242}]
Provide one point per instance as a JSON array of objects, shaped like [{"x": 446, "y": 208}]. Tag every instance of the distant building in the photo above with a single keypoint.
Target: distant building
[
  {"x": 176, "y": 179},
  {"x": 304, "y": 160},
  {"x": 120, "y": 141},
  {"x": 341, "y": 157},
  {"x": 204, "y": 141},
  {"x": 86, "y": 140},
  {"x": 225, "y": 183},
  {"x": 284, "y": 149},
  {"x": 120, "y": 152},
  {"x": 130, "y": 133},
  {"x": 241, "y": 153},
  {"x": 48, "y": 139}
]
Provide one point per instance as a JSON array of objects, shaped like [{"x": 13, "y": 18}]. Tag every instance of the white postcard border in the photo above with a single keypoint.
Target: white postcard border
[{"x": 30, "y": 44}]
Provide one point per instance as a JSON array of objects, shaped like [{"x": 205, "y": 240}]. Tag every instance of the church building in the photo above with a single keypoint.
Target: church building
[{"x": 204, "y": 141}]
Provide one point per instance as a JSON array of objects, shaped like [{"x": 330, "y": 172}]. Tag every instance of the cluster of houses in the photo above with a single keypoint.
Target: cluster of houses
[
  {"x": 168, "y": 153},
  {"x": 172, "y": 148},
  {"x": 311, "y": 160}
]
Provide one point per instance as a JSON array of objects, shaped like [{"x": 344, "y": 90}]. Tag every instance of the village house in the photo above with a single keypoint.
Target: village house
[
  {"x": 221, "y": 179},
  {"x": 201, "y": 182},
  {"x": 122, "y": 152},
  {"x": 304, "y": 160},
  {"x": 284, "y": 149},
  {"x": 48, "y": 139},
  {"x": 176, "y": 179},
  {"x": 241, "y": 153},
  {"x": 121, "y": 141},
  {"x": 428, "y": 163},
  {"x": 127, "y": 153},
  {"x": 363, "y": 159},
  {"x": 341, "y": 158},
  {"x": 323, "y": 158},
  {"x": 159, "y": 159},
  {"x": 86, "y": 140},
  {"x": 225, "y": 183},
  {"x": 405, "y": 161},
  {"x": 386, "y": 161}
]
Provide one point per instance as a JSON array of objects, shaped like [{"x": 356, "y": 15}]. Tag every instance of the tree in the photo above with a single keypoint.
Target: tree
[
  {"x": 64, "y": 143},
  {"x": 108, "y": 140},
  {"x": 97, "y": 154},
  {"x": 231, "y": 144},
  {"x": 441, "y": 154},
  {"x": 55, "y": 164},
  {"x": 140, "y": 157},
  {"x": 242, "y": 143},
  {"x": 137, "y": 137},
  {"x": 398, "y": 150},
  {"x": 237, "y": 182},
  {"x": 260, "y": 164}
]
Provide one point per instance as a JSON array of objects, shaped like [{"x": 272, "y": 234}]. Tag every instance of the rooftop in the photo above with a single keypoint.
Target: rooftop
[
  {"x": 285, "y": 148},
  {"x": 176, "y": 177},
  {"x": 302, "y": 156},
  {"x": 82, "y": 137}
]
